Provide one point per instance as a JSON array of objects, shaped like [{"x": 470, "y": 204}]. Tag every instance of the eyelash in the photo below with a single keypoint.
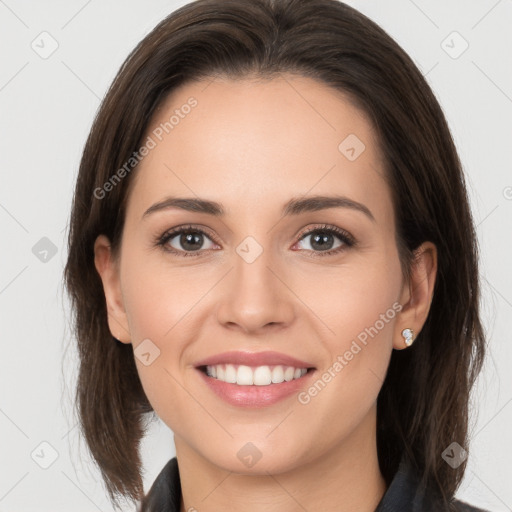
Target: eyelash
[{"x": 347, "y": 239}]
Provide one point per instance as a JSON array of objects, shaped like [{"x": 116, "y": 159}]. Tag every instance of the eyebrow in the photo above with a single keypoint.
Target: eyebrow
[{"x": 294, "y": 206}]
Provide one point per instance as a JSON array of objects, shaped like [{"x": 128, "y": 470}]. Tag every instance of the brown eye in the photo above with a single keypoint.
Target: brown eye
[
  {"x": 185, "y": 241},
  {"x": 327, "y": 240}
]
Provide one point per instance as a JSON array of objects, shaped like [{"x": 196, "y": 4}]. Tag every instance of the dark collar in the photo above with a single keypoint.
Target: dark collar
[{"x": 403, "y": 495}]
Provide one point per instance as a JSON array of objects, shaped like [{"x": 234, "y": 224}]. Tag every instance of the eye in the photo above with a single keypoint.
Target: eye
[
  {"x": 185, "y": 241},
  {"x": 189, "y": 240},
  {"x": 323, "y": 240}
]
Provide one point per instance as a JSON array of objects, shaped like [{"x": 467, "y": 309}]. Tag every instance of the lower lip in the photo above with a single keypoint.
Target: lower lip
[{"x": 255, "y": 396}]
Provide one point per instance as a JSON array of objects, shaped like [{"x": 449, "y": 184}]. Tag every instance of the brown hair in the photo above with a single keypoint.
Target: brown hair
[{"x": 423, "y": 404}]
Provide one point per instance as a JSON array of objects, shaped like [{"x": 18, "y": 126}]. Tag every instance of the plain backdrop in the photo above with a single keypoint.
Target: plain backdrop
[{"x": 47, "y": 106}]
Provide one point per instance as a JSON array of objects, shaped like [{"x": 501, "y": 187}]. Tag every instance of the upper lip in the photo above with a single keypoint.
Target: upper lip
[{"x": 267, "y": 358}]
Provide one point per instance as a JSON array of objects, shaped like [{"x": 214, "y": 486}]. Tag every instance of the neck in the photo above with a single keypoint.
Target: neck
[{"x": 345, "y": 478}]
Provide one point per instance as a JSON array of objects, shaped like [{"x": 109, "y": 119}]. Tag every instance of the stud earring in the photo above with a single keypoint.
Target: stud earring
[{"x": 408, "y": 335}]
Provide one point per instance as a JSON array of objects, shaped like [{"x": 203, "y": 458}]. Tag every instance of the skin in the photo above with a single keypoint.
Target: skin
[{"x": 252, "y": 145}]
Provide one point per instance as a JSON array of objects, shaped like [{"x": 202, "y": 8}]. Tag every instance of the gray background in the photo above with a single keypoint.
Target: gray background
[{"x": 47, "y": 107}]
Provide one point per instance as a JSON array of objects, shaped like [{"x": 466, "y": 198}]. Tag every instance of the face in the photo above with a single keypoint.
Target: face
[{"x": 264, "y": 279}]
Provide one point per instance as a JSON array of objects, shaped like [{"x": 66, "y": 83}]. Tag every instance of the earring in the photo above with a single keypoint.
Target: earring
[{"x": 408, "y": 335}]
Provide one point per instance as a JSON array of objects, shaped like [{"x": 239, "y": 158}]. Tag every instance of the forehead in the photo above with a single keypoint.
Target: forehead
[{"x": 241, "y": 141}]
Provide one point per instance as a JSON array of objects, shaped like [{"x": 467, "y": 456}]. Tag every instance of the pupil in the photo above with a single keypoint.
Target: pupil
[{"x": 321, "y": 241}]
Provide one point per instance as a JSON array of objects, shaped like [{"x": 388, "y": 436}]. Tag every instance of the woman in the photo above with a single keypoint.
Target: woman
[{"x": 271, "y": 248}]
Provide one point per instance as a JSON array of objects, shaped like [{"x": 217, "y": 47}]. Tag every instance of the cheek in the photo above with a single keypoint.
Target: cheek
[
  {"x": 161, "y": 303},
  {"x": 158, "y": 295},
  {"x": 359, "y": 305},
  {"x": 345, "y": 390},
  {"x": 349, "y": 299}
]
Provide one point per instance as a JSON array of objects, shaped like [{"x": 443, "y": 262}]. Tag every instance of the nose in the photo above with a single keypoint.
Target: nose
[{"x": 255, "y": 296}]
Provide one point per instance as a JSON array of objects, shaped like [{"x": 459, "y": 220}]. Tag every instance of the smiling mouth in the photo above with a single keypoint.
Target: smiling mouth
[{"x": 243, "y": 375}]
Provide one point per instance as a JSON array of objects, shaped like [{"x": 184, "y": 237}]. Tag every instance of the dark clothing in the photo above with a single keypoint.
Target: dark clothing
[{"x": 403, "y": 495}]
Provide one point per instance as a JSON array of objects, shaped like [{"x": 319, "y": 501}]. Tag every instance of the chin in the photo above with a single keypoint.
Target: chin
[{"x": 255, "y": 458}]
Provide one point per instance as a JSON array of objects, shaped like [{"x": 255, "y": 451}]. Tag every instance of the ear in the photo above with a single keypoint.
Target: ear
[
  {"x": 417, "y": 294},
  {"x": 107, "y": 267}
]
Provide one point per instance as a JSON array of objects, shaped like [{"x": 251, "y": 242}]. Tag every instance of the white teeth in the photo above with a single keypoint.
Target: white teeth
[
  {"x": 244, "y": 376},
  {"x": 262, "y": 376},
  {"x": 277, "y": 375},
  {"x": 230, "y": 374},
  {"x": 289, "y": 373},
  {"x": 258, "y": 376}
]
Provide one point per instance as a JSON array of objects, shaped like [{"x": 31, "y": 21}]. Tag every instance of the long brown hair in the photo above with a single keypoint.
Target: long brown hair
[{"x": 423, "y": 404}]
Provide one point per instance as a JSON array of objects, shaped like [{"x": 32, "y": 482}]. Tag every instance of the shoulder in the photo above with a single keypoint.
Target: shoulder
[
  {"x": 403, "y": 494},
  {"x": 462, "y": 506},
  {"x": 406, "y": 493},
  {"x": 165, "y": 493}
]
